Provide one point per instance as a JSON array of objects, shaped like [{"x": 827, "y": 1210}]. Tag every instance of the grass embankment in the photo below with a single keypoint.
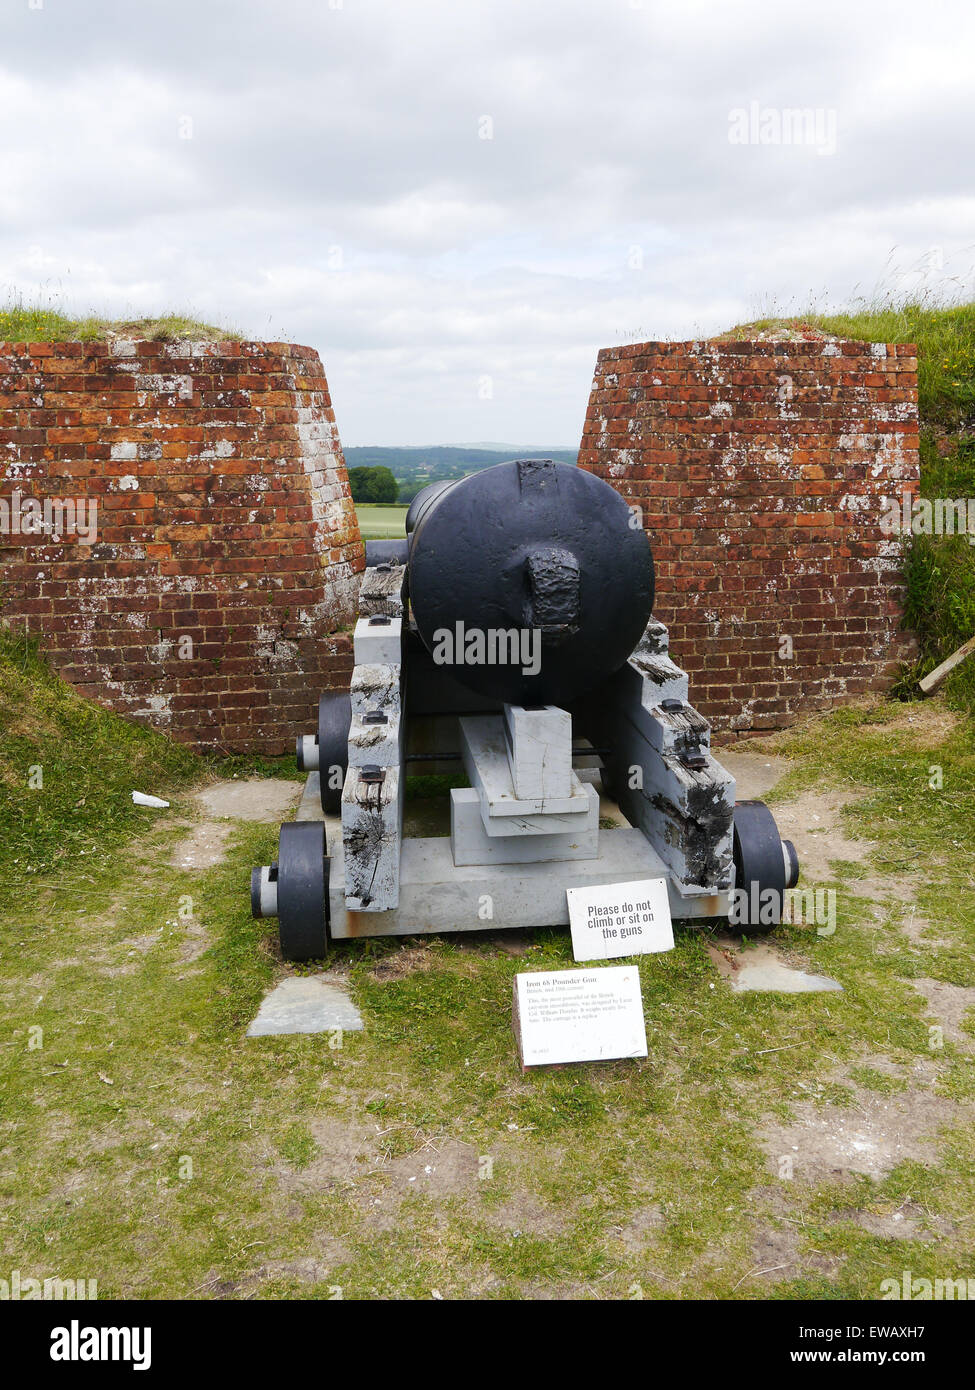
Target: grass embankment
[
  {"x": 68, "y": 769},
  {"x": 939, "y": 571},
  {"x": 144, "y": 1142},
  {"x": 26, "y": 323}
]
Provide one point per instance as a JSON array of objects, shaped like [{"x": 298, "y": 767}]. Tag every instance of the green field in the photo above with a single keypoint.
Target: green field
[{"x": 381, "y": 521}]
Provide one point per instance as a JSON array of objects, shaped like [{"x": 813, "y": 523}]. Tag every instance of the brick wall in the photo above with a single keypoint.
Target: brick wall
[
  {"x": 216, "y": 598},
  {"x": 760, "y": 468}
]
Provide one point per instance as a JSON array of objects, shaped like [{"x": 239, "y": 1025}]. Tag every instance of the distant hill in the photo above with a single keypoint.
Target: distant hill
[{"x": 414, "y": 468}]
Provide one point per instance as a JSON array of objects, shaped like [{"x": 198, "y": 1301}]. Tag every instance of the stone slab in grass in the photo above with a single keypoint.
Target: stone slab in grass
[
  {"x": 754, "y": 773},
  {"x": 250, "y": 798},
  {"x": 306, "y": 1004},
  {"x": 760, "y": 968}
]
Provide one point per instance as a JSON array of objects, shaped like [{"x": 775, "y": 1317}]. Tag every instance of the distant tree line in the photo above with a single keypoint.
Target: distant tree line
[
  {"x": 415, "y": 468},
  {"x": 373, "y": 485}
]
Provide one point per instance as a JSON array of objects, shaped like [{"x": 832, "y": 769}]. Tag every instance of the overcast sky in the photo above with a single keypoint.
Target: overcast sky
[{"x": 458, "y": 203}]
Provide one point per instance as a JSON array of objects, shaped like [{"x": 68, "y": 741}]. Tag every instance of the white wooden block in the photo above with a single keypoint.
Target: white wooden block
[
  {"x": 485, "y": 753},
  {"x": 375, "y": 686},
  {"x": 378, "y": 643},
  {"x": 550, "y": 823},
  {"x": 473, "y": 845},
  {"x": 655, "y": 637},
  {"x": 673, "y": 731},
  {"x": 686, "y": 814},
  {"x": 650, "y": 675},
  {"x": 539, "y": 743},
  {"x": 372, "y": 828},
  {"x": 375, "y": 738},
  {"x": 381, "y": 590}
]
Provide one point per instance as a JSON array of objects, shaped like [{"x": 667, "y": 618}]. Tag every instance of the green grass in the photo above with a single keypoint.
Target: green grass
[
  {"x": 45, "y": 323},
  {"x": 68, "y": 768},
  {"x": 939, "y": 572},
  {"x": 147, "y": 1143},
  {"x": 381, "y": 521}
]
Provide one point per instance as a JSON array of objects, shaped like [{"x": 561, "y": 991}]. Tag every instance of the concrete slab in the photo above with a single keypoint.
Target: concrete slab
[
  {"x": 471, "y": 844},
  {"x": 250, "y": 798},
  {"x": 310, "y": 807},
  {"x": 306, "y": 1004},
  {"x": 762, "y": 969},
  {"x": 438, "y": 896},
  {"x": 754, "y": 773}
]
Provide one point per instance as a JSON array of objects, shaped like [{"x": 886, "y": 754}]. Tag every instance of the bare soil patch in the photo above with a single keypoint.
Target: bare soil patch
[
  {"x": 953, "y": 1006},
  {"x": 813, "y": 822},
  {"x": 777, "y": 1254},
  {"x": 871, "y": 1137},
  {"x": 402, "y": 961},
  {"x": 204, "y": 847}
]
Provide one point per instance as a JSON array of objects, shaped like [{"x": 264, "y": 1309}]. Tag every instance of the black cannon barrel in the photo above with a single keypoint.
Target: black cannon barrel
[
  {"x": 387, "y": 553},
  {"x": 530, "y": 580}
]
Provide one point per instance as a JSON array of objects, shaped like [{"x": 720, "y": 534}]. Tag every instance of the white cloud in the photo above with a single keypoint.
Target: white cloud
[{"x": 335, "y": 188}]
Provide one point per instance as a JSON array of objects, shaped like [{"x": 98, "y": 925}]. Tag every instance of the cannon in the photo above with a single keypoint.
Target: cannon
[{"x": 509, "y": 637}]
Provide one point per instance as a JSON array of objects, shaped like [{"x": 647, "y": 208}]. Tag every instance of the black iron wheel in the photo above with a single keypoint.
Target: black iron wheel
[
  {"x": 257, "y": 906},
  {"x": 303, "y": 890},
  {"x": 334, "y": 721},
  {"x": 760, "y": 868}
]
